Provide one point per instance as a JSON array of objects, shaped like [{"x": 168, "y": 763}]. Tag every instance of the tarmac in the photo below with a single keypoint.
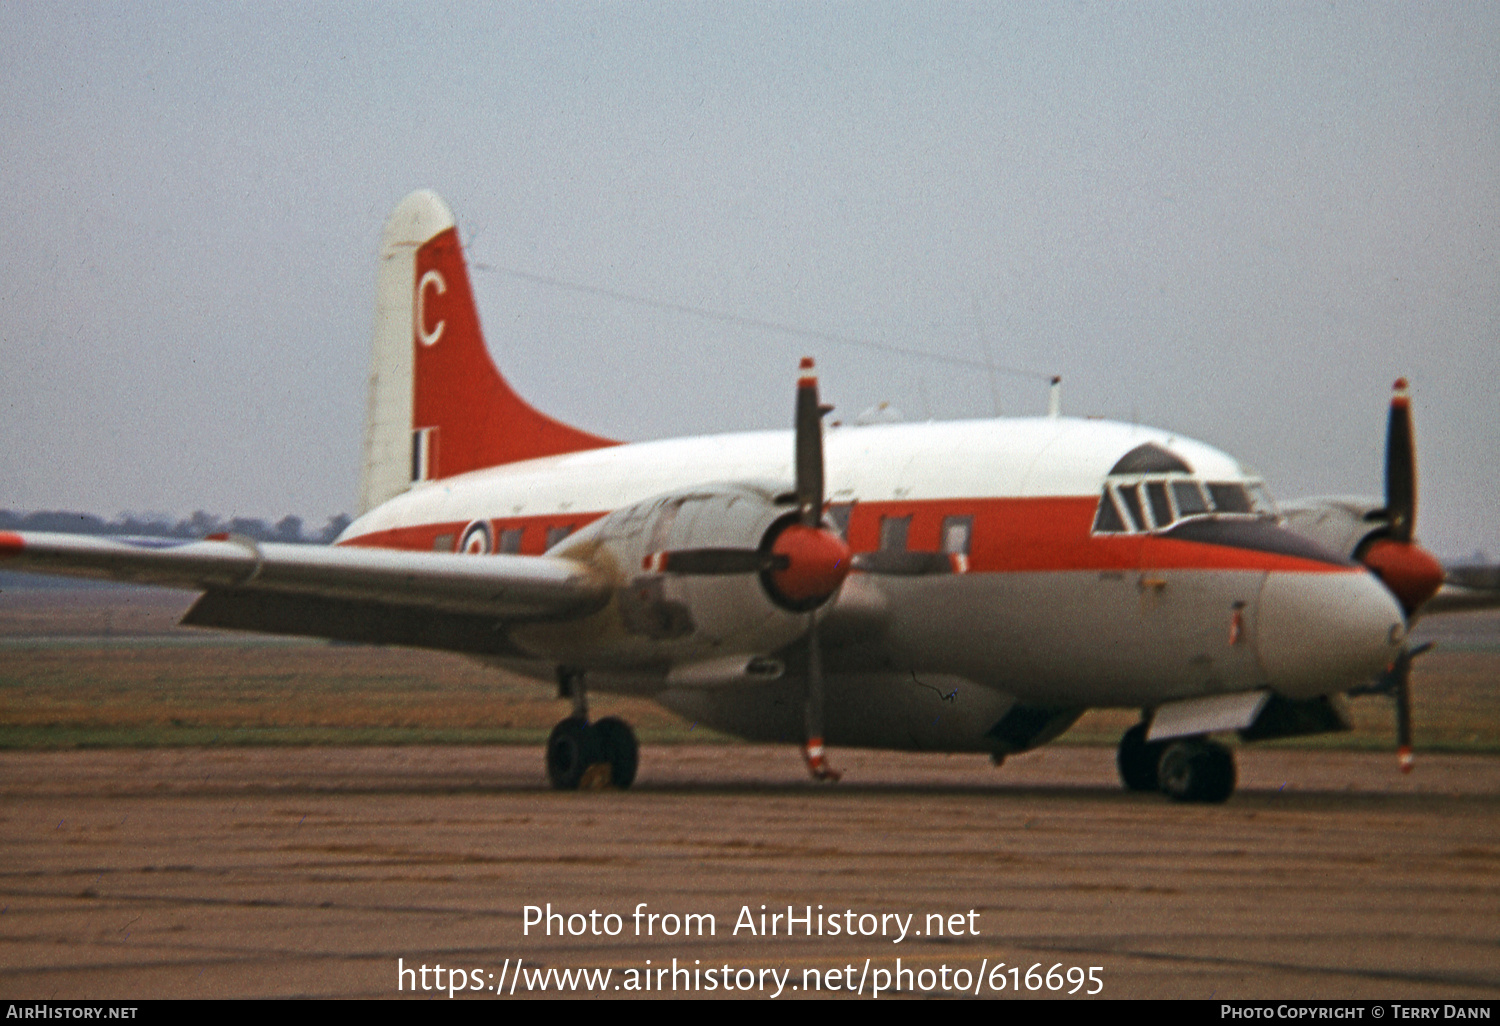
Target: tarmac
[{"x": 357, "y": 872}]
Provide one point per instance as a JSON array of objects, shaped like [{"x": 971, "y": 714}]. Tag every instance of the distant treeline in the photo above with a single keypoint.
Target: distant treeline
[{"x": 199, "y": 525}]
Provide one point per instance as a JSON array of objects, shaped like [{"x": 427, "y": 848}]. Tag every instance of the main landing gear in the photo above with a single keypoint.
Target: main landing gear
[
  {"x": 1190, "y": 769},
  {"x": 584, "y": 754}
]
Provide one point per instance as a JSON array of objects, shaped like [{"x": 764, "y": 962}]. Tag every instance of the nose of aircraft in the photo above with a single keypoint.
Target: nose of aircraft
[{"x": 1323, "y": 632}]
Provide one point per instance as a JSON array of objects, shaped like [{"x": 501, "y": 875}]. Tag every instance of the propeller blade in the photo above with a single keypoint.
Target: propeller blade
[
  {"x": 1408, "y": 570},
  {"x": 1400, "y": 467},
  {"x": 1397, "y": 680},
  {"x": 1403, "y": 711},
  {"x": 809, "y": 424},
  {"x": 826, "y": 559},
  {"x": 817, "y": 762}
]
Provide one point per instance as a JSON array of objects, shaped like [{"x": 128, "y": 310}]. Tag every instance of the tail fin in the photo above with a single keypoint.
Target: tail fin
[{"x": 438, "y": 406}]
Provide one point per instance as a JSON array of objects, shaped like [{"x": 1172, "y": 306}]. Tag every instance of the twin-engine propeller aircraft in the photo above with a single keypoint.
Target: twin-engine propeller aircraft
[{"x": 956, "y": 587}]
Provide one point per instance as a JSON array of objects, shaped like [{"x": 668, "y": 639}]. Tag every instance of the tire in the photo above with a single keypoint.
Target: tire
[
  {"x": 1196, "y": 770},
  {"x": 571, "y": 749},
  {"x": 615, "y": 743},
  {"x": 1137, "y": 760}
]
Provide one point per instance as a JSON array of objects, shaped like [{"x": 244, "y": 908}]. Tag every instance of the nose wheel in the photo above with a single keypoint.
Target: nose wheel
[{"x": 581, "y": 754}]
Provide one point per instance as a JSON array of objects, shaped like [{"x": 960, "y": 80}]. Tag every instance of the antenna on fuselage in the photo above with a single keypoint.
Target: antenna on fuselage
[{"x": 1054, "y": 396}]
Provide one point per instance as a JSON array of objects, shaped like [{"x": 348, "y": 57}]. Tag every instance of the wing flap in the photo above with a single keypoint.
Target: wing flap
[{"x": 501, "y": 586}]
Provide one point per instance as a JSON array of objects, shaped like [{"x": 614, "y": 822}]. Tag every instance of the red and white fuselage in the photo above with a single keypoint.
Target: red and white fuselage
[{"x": 1046, "y": 603}]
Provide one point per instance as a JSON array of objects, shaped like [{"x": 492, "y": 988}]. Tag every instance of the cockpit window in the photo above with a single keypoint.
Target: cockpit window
[
  {"x": 1107, "y": 520},
  {"x": 1229, "y": 498},
  {"x": 1131, "y": 496},
  {"x": 1189, "y": 498},
  {"x": 1171, "y": 498},
  {"x": 1161, "y": 509},
  {"x": 1261, "y": 499}
]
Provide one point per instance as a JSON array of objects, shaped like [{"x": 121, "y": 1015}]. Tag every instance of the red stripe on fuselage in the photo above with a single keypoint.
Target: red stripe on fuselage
[{"x": 1009, "y": 536}]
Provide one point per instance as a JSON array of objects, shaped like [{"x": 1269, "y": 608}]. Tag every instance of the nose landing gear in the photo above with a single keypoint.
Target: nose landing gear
[{"x": 583, "y": 754}]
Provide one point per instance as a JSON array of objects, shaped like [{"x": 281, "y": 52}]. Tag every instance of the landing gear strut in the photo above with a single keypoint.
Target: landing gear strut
[
  {"x": 580, "y": 753},
  {"x": 1191, "y": 769}
]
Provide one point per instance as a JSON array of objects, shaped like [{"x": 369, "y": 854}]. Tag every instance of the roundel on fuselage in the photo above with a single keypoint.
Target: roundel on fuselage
[
  {"x": 429, "y": 338},
  {"x": 477, "y": 539}
]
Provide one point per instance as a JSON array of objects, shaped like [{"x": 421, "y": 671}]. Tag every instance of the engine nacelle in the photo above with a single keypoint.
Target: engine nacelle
[
  {"x": 697, "y": 577},
  {"x": 1340, "y": 525}
]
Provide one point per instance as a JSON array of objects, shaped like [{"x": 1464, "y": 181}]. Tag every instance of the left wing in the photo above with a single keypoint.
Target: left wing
[{"x": 497, "y": 587}]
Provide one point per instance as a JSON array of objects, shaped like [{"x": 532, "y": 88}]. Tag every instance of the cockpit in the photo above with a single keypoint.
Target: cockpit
[{"x": 1152, "y": 489}]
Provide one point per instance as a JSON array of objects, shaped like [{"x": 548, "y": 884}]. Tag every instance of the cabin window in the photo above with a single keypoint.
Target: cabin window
[
  {"x": 442, "y": 543},
  {"x": 893, "y": 532},
  {"x": 557, "y": 534},
  {"x": 510, "y": 540},
  {"x": 956, "y": 534}
]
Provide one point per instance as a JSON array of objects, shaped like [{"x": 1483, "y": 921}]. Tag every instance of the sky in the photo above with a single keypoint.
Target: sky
[{"x": 1238, "y": 221}]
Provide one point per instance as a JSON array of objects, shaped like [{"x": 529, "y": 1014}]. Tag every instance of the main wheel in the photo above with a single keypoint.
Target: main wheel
[
  {"x": 1138, "y": 759},
  {"x": 615, "y": 743},
  {"x": 1197, "y": 770},
  {"x": 571, "y": 749}
]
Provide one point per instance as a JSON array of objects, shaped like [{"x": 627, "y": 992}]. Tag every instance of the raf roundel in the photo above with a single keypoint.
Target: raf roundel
[
  {"x": 477, "y": 539},
  {"x": 429, "y": 338}
]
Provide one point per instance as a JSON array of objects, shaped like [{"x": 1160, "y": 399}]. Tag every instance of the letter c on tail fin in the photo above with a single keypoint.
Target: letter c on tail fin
[{"x": 437, "y": 404}]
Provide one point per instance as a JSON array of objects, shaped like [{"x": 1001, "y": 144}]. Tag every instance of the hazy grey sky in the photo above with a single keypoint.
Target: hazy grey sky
[{"x": 1238, "y": 221}]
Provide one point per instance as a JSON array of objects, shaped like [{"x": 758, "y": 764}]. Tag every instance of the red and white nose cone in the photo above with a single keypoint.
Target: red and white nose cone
[
  {"x": 1322, "y": 632},
  {"x": 817, "y": 563}
]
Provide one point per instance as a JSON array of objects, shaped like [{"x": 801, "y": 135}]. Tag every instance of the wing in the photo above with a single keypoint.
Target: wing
[
  {"x": 1471, "y": 586},
  {"x": 431, "y": 599}
]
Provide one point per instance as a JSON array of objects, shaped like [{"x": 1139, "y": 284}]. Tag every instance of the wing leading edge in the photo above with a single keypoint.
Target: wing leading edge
[{"x": 496, "y": 587}]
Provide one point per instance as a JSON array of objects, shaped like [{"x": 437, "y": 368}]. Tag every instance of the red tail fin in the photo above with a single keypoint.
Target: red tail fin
[
  {"x": 438, "y": 406},
  {"x": 464, "y": 412}
]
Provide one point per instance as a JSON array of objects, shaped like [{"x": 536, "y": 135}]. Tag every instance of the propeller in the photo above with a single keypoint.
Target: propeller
[
  {"x": 810, "y": 534},
  {"x": 1408, "y": 570},
  {"x": 801, "y": 563}
]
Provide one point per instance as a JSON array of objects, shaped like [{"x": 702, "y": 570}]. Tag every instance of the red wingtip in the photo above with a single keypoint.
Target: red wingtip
[
  {"x": 1399, "y": 394},
  {"x": 11, "y": 544},
  {"x": 1403, "y": 756}
]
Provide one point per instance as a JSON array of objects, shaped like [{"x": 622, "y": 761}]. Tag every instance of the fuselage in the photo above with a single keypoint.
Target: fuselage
[{"x": 1185, "y": 586}]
